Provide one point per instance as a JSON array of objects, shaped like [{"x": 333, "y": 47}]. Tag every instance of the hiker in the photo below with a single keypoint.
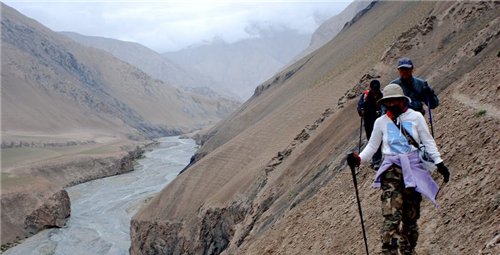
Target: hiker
[
  {"x": 416, "y": 89},
  {"x": 401, "y": 176},
  {"x": 369, "y": 110}
]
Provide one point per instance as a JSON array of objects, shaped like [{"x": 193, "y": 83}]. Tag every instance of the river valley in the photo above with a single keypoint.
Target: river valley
[{"x": 101, "y": 210}]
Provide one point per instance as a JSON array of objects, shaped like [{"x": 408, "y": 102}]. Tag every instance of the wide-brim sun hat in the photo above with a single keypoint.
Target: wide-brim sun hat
[{"x": 392, "y": 91}]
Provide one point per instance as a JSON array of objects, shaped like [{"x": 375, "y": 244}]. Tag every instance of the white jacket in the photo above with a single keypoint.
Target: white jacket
[{"x": 393, "y": 140}]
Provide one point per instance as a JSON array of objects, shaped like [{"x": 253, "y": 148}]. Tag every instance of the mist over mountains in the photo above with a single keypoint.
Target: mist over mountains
[
  {"x": 63, "y": 86},
  {"x": 232, "y": 69},
  {"x": 151, "y": 62},
  {"x": 332, "y": 26},
  {"x": 241, "y": 66}
]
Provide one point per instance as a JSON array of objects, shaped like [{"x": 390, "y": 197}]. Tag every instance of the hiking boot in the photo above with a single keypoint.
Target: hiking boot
[
  {"x": 390, "y": 252},
  {"x": 412, "y": 252}
]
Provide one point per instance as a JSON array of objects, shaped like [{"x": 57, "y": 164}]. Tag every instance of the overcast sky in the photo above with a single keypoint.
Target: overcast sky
[{"x": 172, "y": 25}]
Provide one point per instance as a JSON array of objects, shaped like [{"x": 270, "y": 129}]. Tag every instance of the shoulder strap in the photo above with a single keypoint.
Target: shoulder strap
[{"x": 405, "y": 133}]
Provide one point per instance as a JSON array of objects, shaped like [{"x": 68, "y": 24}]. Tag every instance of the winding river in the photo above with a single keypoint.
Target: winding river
[{"x": 101, "y": 210}]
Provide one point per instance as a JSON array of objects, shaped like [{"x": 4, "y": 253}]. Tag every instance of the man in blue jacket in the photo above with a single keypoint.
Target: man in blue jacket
[{"x": 416, "y": 89}]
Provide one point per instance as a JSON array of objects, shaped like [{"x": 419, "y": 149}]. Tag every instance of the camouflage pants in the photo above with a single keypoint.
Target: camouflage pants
[{"x": 401, "y": 210}]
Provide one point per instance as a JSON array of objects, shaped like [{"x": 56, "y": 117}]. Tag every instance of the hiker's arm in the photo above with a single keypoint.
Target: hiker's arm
[
  {"x": 374, "y": 142},
  {"x": 427, "y": 140}
]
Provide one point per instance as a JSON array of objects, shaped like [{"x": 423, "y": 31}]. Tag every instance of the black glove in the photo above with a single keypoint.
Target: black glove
[
  {"x": 353, "y": 159},
  {"x": 443, "y": 170}
]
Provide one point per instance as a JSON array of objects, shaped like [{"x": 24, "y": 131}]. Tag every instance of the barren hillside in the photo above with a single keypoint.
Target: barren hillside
[
  {"x": 151, "y": 62},
  {"x": 72, "y": 113},
  {"x": 65, "y": 86},
  {"x": 272, "y": 178}
]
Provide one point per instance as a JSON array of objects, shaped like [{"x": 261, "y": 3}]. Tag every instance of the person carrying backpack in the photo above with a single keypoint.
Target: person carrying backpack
[
  {"x": 401, "y": 175},
  {"x": 418, "y": 90},
  {"x": 369, "y": 110}
]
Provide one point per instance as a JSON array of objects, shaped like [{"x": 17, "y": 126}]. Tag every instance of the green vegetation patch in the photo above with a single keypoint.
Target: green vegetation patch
[{"x": 481, "y": 113}]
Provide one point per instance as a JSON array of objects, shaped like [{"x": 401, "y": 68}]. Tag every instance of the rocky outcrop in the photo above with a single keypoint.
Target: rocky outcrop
[
  {"x": 46, "y": 204},
  {"x": 193, "y": 160},
  {"x": 53, "y": 213},
  {"x": 99, "y": 168},
  {"x": 360, "y": 14},
  {"x": 157, "y": 238},
  {"x": 218, "y": 227},
  {"x": 215, "y": 232}
]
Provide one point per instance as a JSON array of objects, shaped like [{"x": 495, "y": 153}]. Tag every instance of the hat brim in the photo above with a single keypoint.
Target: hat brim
[
  {"x": 405, "y": 66},
  {"x": 381, "y": 101}
]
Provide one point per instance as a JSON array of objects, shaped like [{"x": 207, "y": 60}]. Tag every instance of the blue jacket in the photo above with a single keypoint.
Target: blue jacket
[{"x": 419, "y": 92}]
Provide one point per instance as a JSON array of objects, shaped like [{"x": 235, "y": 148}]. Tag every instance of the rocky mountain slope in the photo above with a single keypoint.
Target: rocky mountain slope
[
  {"x": 239, "y": 67},
  {"x": 72, "y": 113},
  {"x": 64, "y": 85},
  {"x": 151, "y": 62},
  {"x": 331, "y": 27},
  {"x": 272, "y": 178}
]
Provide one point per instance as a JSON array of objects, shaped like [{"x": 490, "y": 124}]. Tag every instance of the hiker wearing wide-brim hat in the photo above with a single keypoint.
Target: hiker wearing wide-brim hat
[
  {"x": 393, "y": 91},
  {"x": 402, "y": 177}
]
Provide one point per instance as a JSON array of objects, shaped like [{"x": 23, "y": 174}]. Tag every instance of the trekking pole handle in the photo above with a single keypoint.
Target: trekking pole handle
[{"x": 430, "y": 115}]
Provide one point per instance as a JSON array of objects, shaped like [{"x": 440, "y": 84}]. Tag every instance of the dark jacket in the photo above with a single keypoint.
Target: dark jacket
[
  {"x": 368, "y": 104},
  {"x": 419, "y": 92}
]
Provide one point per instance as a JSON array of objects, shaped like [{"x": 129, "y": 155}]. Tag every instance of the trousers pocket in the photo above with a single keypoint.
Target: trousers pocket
[{"x": 386, "y": 203}]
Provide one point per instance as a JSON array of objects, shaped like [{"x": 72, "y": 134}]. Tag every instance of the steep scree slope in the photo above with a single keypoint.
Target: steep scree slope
[{"x": 274, "y": 181}]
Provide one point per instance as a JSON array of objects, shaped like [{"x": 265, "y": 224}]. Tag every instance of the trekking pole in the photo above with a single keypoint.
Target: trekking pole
[
  {"x": 430, "y": 115},
  {"x": 353, "y": 171},
  {"x": 360, "y": 132}
]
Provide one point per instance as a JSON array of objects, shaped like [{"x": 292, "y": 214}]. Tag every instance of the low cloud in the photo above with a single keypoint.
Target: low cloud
[{"x": 169, "y": 26}]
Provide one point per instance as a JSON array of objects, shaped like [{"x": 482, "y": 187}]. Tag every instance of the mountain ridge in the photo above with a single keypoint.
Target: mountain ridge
[
  {"x": 72, "y": 113},
  {"x": 241, "y": 66},
  {"x": 65, "y": 67},
  {"x": 149, "y": 61},
  {"x": 280, "y": 185}
]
